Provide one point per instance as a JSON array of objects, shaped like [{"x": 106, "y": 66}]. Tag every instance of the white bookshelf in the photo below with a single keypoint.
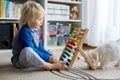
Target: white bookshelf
[
  {"x": 65, "y": 1},
  {"x": 65, "y": 20},
  {"x": 45, "y": 3},
  {"x": 46, "y": 20},
  {"x": 16, "y": 19},
  {"x": 10, "y": 18}
]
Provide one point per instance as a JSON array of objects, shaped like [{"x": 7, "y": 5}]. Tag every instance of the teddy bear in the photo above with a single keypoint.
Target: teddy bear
[{"x": 73, "y": 12}]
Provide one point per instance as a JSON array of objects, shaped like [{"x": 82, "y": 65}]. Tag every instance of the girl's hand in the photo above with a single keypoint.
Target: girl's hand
[{"x": 53, "y": 59}]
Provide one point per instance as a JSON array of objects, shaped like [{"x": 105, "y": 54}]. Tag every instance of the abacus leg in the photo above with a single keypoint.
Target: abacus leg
[{"x": 87, "y": 59}]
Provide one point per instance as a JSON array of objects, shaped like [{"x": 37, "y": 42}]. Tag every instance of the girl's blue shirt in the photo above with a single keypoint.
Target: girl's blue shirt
[{"x": 26, "y": 39}]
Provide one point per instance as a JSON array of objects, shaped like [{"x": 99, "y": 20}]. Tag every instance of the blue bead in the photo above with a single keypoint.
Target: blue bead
[
  {"x": 67, "y": 63},
  {"x": 69, "y": 60},
  {"x": 64, "y": 56},
  {"x": 61, "y": 59}
]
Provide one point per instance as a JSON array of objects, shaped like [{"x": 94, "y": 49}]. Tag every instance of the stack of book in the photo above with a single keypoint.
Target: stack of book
[{"x": 9, "y": 9}]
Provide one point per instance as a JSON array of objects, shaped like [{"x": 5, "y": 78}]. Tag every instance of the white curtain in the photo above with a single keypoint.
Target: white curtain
[{"x": 102, "y": 18}]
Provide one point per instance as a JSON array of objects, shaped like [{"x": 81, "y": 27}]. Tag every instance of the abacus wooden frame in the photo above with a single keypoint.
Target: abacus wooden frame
[{"x": 81, "y": 51}]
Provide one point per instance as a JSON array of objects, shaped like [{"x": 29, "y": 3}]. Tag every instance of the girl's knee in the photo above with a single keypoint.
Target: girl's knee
[{"x": 25, "y": 55}]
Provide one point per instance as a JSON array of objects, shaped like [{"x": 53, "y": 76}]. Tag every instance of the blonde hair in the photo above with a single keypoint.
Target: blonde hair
[{"x": 29, "y": 12}]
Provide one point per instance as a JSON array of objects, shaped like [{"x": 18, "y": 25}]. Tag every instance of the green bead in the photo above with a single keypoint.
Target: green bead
[{"x": 67, "y": 49}]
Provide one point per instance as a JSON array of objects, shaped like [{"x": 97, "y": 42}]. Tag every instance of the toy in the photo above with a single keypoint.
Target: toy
[
  {"x": 74, "y": 47},
  {"x": 73, "y": 12}
]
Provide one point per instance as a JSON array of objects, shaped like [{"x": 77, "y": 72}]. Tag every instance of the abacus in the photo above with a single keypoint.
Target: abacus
[{"x": 74, "y": 47}]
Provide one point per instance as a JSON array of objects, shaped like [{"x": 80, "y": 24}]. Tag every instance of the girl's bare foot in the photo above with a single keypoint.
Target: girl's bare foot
[
  {"x": 55, "y": 66},
  {"x": 53, "y": 59},
  {"x": 59, "y": 65}
]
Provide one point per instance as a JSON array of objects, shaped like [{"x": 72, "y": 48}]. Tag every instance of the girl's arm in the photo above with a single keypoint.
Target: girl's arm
[{"x": 25, "y": 39}]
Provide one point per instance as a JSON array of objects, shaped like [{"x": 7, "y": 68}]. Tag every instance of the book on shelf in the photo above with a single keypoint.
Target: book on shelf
[
  {"x": 59, "y": 12},
  {"x": 9, "y": 9},
  {"x": 2, "y": 8}
]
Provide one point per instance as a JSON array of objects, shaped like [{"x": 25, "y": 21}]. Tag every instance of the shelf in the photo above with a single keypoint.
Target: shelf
[
  {"x": 9, "y": 20},
  {"x": 65, "y": 2},
  {"x": 15, "y": 19},
  {"x": 66, "y": 20},
  {"x": 54, "y": 17},
  {"x": 54, "y": 47},
  {"x": 5, "y": 51}
]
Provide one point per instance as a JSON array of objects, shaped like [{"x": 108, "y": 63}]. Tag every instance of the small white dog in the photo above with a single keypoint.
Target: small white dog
[{"x": 106, "y": 54}]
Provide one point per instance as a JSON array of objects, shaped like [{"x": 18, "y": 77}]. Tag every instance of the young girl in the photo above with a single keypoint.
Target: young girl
[{"x": 27, "y": 48}]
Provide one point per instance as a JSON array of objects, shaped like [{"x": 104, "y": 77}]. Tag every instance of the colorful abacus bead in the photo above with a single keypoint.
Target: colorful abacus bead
[
  {"x": 67, "y": 64},
  {"x": 68, "y": 49},
  {"x": 62, "y": 59},
  {"x": 72, "y": 43},
  {"x": 67, "y": 53},
  {"x": 74, "y": 40},
  {"x": 69, "y": 60},
  {"x": 79, "y": 37},
  {"x": 70, "y": 46},
  {"x": 64, "y": 55}
]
